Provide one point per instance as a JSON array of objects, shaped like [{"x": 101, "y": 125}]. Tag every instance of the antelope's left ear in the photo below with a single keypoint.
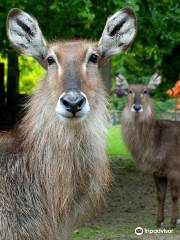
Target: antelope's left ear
[
  {"x": 154, "y": 81},
  {"x": 119, "y": 33},
  {"x": 121, "y": 86},
  {"x": 121, "y": 82}
]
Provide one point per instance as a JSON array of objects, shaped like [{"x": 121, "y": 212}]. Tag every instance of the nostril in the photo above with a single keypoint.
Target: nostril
[
  {"x": 72, "y": 102},
  {"x": 81, "y": 102},
  {"x": 137, "y": 108},
  {"x": 65, "y": 103}
]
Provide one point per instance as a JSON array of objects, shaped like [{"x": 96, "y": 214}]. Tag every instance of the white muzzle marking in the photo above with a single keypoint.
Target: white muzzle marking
[
  {"x": 133, "y": 109},
  {"x": 63, "y": 112}
]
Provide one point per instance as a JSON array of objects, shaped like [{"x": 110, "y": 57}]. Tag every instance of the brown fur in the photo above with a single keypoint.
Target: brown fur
[
  {"x": 54, "y": 171},
  {"x": 155, "y": 145}
]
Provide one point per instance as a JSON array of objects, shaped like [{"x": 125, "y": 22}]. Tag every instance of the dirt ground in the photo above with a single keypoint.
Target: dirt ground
[{"x": 131, "y": 204}]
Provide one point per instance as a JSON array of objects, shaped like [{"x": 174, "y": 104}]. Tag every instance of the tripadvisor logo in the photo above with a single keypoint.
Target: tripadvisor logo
[{"x": 139, "y": 231}]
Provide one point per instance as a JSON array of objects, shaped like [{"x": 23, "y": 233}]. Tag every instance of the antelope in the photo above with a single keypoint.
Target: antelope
[
  {"x": 153, "y": 143},
  {"x": 54, "y": 169}
]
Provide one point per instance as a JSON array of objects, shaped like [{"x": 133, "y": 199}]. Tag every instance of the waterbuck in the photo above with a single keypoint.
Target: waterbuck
[
  {"x": 153, "y": 143},
  {"x": 53, "y": 167}
]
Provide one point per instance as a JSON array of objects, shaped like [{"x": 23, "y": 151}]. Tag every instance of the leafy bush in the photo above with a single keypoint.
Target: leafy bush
[
  {"x": 30, "y": 73},
  {"x": 164, "y": 106}
]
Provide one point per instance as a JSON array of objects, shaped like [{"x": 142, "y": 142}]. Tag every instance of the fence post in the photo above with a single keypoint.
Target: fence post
[
  {"x": 2, "y": 88},
  {"x": 12, "y": 79}
]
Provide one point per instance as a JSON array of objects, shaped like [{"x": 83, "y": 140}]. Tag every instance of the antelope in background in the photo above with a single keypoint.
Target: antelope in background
[
  {"x": 53, "y": 167},
  {"x": 155, "y": 144}
]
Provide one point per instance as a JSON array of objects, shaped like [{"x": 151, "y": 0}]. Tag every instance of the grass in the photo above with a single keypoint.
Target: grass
[
  {"x": 116, "y": 148},
  {"x": 115, "y": 144},
  {"x": 98, "y": 231}
]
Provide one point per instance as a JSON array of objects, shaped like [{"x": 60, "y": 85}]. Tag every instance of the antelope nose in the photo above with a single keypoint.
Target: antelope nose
[
  {"x": 73, "y": 102},
  {"x": 137, "y": 107}
]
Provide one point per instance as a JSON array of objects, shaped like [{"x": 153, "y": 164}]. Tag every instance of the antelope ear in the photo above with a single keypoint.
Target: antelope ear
[
  {"x": 121, "y": 82},
  {"x": 119, "y": 33},
  {"x": 122, "y": 86},
  {"x": 24, "y": 33},
  {"x": 154, "y": 81}
]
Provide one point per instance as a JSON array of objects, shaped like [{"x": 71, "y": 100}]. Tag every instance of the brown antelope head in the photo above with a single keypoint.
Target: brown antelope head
[
  {"x": 72, "y": 67},
  {"x": 138, "y": 95}
]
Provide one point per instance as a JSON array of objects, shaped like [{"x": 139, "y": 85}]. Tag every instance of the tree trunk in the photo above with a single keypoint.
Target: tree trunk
[
  {"x": 106, "y": 75},
  {"x": 2, "y": 88},
  {"x": 12, "y": 79}
]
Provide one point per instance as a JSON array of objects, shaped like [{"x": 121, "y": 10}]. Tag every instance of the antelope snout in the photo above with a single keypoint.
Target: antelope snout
[
  {"x": 72, "y": 104},
  {"x": 137, "y": 108}
]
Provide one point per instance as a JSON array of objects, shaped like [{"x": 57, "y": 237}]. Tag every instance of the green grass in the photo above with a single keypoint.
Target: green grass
[
  {"x": 116, "y": 149},
  {"x": 115, "y": 144},
  {"x": 98, "y": 232}
]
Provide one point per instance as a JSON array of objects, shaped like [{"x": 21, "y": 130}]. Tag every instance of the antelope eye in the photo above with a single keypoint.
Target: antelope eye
[
  {"x": 50, "y": 60},
  {"x": 129, "y": 92},
  {"x": 93, "y": 58},
  {"x": 145, "y": 91}
]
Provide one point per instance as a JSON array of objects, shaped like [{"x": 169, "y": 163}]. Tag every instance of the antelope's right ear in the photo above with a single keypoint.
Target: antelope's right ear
[
  {"x": 121, "y": 86},
  {"x": 154, "y": 81},
  {"x": 24, "y": 33},
  {"x": 119, "y": 33}
]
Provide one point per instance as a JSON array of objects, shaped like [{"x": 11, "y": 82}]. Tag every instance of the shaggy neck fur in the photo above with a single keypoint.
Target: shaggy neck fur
[
  {"x": 68, "y": 158},
  {"x": 139, "y": 135}
]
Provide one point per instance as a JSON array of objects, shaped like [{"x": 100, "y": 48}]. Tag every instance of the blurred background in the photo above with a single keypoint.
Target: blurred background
[{"x": 155, "y": 49}]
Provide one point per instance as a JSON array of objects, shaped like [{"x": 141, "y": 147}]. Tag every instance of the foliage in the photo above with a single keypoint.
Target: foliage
[
  {"x": 117, "y": 103},
  {"x": 30, "y": 73},
  {"x": 115, "y": 144},
  {"x": 164, "y": 106},
  {"x": 170, "y": 65},
  {"x": 61, "y": 19},
  {"x": 158, "y": 32}
]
